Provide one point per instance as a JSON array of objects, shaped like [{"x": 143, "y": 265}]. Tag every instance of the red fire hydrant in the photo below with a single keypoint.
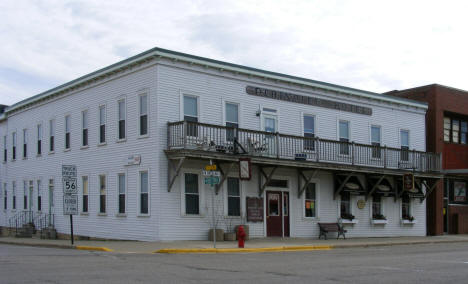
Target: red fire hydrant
[{"x": 240, "y": 236}]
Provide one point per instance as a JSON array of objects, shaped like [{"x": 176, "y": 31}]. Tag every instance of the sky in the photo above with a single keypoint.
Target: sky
[{"x": 374, "y": 45}]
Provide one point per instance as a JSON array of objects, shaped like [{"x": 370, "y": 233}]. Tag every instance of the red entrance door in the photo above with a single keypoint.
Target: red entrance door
[{"x": 277, "y": 213}]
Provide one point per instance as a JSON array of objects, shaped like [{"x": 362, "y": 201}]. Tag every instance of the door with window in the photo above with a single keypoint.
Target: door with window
[
  {"x": 277, "y": 213},
  {"x": 270, "y": 124}
]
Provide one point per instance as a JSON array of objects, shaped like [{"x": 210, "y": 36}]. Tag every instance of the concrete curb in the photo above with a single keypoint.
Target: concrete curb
[
  {"x": 244, "y": 250},
  {"x": 94, "y": 248},
  {"x": 38, "y": 245}
]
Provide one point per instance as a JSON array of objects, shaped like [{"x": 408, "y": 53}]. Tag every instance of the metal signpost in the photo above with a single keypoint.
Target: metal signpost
[
  {"x": 70, "y": 194},
  {"x": 212, "y": 178}
]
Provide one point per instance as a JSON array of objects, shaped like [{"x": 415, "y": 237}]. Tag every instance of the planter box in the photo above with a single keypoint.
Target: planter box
[
  {"x": 378, "y": 222},
  {"x": 229, "y": 236},
  {"x": 219, "y": 235},
  {"x": 346, "y": 221},
  {"x": 408, "y": 222}
]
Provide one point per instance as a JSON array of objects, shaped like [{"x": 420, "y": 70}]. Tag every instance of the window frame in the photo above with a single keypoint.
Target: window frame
[
  {"x": 317, "y": 201},
  {"x": 39, "y": 195},
  {"x": 39, "y": 133},
  {"x": 124, "y": 120},
  {"x": 410, "y": 210},
  {"x": 344, "y": 147},
  {"x": 140, "y": 214},
  {"x": 51, "y": 136},
  {"x": 314, "y": 135},
  {"x": 100, "y": 211},
  {"x": 83, "y": 195},
  {"x": 13, "y": 195},
  {"x": 85, "y": 129},
  {"x": 25, "y": 194},
  {"x": 14, "y": 138},
  {"x": 5, "y": 196},
  {"x": 404, "y": 150},
  {"x": 102, "y": 121},
  {"x": 5, "y": 148},
  {"x": 376, "y": 146},
  {"x": 67, "y": 136},
  {"x": 226, "y": 198},
  {"x": 201, "y": 194},
  {"x": 142, "y": 115},
  {"x": 119, "y": 213},
  {"x": 25, "y": 143},
  {"x": 230, "y": 134},
  {"x": 462, "y": 135}
]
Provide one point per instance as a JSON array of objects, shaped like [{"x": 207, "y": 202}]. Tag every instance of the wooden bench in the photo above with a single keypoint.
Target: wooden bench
[{"x": 331, "y": 227}]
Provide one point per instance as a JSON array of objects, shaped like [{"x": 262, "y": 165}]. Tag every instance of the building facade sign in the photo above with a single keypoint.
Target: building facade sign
[{"x": 300, "y": 99}]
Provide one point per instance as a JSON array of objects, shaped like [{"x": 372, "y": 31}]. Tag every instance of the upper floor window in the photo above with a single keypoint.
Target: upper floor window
[
  {"x": 51, "y": 135},
  {"x": 67, "y": 131},
  {"x": 309, "y": 132},
  {"x": 13, "y": 138},
  {"x": 404, "y": 142},
  {"x": 455, "y": 130},
  {"x": 232, "y": 120},
  {"x": 191, "y": 114},
  {"x": 344, "y": 137},
  {"x": 39, "y": 139},
  {"x": 143, "y": 114},
  {"x": 375, "y": 141},
  {"x": 25, "y": 143},
  {"x": 84, "y": 128},
  {"x": 102, "y": 124},
  {"x": 5, "y": 148},
  {"x": 122, "y": 115}
]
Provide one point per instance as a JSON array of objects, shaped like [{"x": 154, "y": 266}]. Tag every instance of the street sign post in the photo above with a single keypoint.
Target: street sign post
[
  {"x": 70, "y": 194},
  {"x": 212, "y": 177}
]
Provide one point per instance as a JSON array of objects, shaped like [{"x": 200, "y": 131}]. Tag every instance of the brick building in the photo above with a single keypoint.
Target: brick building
[{"x": 447, "y": 133}]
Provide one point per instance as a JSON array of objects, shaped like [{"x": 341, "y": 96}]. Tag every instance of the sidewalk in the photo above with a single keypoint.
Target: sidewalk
[{"x": 253, "y": 245}]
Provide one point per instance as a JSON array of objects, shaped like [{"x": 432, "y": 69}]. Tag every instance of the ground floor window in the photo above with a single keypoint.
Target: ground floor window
[
  {"x": 102, "y": 194},
  {"x": 121, "y": 193},
  {"x": 144, "y": 193},
  {"x": 345, "y": 206},
  {"x": 406, "y": 208},
  {"x": 310, "y": 201},
  {"x": 25, "y": 196},
  {"x": 233, "y": 194},
  {"x": 39, "y": 198},
  {"x": 85, "y": 194},
  {"x": 192, "y": 194},
  {"x": 377, "y": 212}
]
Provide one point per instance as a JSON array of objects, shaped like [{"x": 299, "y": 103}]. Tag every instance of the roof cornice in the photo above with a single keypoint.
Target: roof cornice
[{"x": 159, "y": 53}]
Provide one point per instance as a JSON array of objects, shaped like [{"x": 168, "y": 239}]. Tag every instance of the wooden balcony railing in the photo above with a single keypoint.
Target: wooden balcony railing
[{"x": 209, "y": 137}]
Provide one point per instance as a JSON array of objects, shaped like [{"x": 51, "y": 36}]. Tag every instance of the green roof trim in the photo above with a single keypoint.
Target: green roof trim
[{"x": 155, "y": 52}]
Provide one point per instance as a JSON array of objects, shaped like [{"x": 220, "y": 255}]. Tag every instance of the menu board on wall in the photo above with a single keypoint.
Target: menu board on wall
[
  {"x": 459, "y": 191},
  {"x": 254, "y": 209}
]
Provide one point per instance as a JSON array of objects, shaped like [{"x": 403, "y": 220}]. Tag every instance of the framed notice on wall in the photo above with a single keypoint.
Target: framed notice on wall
[
  {"x": 254, "y": 209},
  {"x": 245, "y": 171},
  {"x": 459, "y": 191}
]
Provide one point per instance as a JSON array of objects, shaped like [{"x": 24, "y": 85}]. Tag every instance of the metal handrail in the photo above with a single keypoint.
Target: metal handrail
[{"x": 190, "y": 135}]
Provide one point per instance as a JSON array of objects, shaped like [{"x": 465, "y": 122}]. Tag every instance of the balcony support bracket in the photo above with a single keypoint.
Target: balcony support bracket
[
  {"x": 224, "y": 175},
  {"x": 300, "y": 174},
  {"x": 267, "y": 178},
  {"x": 374, "y": 188},
  {"x": 429, "y": 188},
  {"x": 337, "y": 192},
  {"x": 173, "y": 171}
]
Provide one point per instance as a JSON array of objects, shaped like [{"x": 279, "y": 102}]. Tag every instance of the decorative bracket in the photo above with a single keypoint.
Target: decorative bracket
[
  {"x": 342, "y": 185},
  {"x": 173, "y": 171},
  {"x": 429, "y": 189},
  {"x": 224, "y": 175},
  {"x": 267, "y": 179},
  {"x": 300, "y": 173},
  {"x": 374, "y": 188}
]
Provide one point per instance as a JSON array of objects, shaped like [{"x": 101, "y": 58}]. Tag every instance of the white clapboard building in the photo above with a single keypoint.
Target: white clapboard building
[{"x": 140, "y": 133}]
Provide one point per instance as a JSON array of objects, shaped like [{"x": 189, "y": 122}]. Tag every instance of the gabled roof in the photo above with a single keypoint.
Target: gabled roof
[{"x": 179, "y": 56}]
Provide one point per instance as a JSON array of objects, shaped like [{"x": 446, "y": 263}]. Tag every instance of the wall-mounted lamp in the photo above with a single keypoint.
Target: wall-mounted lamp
[{"x": 258, "y": 112}]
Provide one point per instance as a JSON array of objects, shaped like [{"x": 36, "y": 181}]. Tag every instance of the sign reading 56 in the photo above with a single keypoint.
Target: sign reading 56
[{"x": 70, "y": 186}]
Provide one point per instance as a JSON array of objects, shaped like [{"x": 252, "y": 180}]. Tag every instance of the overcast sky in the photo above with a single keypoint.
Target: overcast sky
[{"x": 368, "y": 45}]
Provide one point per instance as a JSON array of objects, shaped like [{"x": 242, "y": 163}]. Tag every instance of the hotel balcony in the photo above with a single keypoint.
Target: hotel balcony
[{"x": 208, "y": 141}]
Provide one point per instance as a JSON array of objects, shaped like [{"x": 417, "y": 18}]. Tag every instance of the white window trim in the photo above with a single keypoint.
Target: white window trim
[
  {"x": 99, "y": 213},
  {"x": 106, "y": 128},
  {"x": 40, "y": 138},
  {"x": 14, "y": 143},
  {"x": 351, "y": 209},
  {"x": 201, "y": 193},
  {"x": 49, "y": 134},
  {"x": 39, "y": 186},
  {"x": 338, "y": 135},
  {"x": 225, "y": 198},
  {"x": 317, "y": 201},
  {"x": 411, "y": 204},
  {"x": 181, "y": 106},
  {"x": 82, "y": 128},
  {"x": 65, "y": 131},
  {"x": 303, "y": 114},
  {"x": 370, "y": 133},
  {"x": 239, "y": 111},
  {"x": 271, "y": 114},
  {"x": 124, "y": 100},
  {"x": 140, "y": 94},
  {"x": 139, "y": 214},
  {"x": 382, "y": 209},
  {"x": 409, "y": 137},
  {"x": 25, "y": 142},
  {"x": 124, "y": 173},
  {"x": 80, "y": 199}
]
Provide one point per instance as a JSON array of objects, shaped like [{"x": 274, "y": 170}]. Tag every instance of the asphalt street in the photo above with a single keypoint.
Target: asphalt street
[{"x": 431, "y": 263}]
